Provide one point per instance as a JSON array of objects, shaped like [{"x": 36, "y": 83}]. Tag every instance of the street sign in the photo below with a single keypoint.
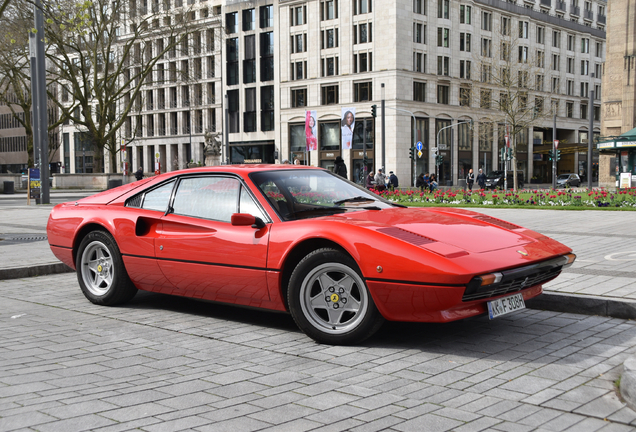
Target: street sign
[
  {"x": 419, "y": 153},
  {"x": 419, "y": 145},
  {"x": 434, "y": 150},
  {"x": 443, "y": 146},
  {"x": 556, "y": 143},
  {"x": 507, "y": 138}
]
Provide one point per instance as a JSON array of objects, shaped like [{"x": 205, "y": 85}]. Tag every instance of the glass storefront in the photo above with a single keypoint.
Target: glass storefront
[
  {"x": 444, "y": 147},
  {"x": 244, "y": 153}
]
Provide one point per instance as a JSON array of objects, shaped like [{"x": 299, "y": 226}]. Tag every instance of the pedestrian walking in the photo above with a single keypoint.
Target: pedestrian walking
[
  {"x": 481, "y": 179},
  {"x": 470, "y": 180},
  {"x": 340, "y": 168},
  {"x": 139, "y": 174},
  {"x": 393, "y": 180}
]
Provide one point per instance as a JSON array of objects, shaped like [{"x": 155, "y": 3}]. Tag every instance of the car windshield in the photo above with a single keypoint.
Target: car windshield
[
  {"x": 301, "y": 194},
  {"x": 494, "y": 174},
  {"x": 563, "y": 177}
]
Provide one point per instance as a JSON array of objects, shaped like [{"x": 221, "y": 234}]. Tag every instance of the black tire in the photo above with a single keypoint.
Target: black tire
[
  {"x": 101, "y": 272},
  {"x": 342, "y": 311}
]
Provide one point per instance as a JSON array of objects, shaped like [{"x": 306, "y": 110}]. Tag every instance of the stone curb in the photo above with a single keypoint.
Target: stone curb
[
  {"x": 628, "y": 382},
  {"x": 36, "y": 270},
  {"x": 584, "y": 304}
]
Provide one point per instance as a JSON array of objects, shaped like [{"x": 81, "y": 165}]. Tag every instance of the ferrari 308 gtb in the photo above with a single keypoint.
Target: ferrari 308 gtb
[{"x": 337, "y": 257}]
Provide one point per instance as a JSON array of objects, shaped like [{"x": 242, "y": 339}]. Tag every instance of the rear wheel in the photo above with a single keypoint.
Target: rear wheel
[
  {"x": 101, "y": 272},
  {"x": 329, "y": 300}
]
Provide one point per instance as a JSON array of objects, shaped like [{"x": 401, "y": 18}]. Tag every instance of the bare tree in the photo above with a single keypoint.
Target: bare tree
[
  {"x": 511, "y": 85},
  {"x": 104, "y": 53},
  {"x": 15, "y": 74}
]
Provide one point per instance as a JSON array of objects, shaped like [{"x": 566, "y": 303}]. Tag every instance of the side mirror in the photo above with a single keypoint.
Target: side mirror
[{"x": 245, "y": 219}]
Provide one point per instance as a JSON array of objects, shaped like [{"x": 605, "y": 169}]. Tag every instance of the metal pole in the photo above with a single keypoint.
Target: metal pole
[
  {"x": 364, "y": 152},
  {"x": 40, "y": 62},
  {"x": 383, "y": 125},
  {"x": 414, "y": 148},
  {"x": 35, "y": 119},
  {"x": 554, "y": 165},
  {"x": 590, "y": 134},
  {"x": 227, "y": 133}
]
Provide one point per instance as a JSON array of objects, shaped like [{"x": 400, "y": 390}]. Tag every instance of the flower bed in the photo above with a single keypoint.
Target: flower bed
[{"x": 625, "y": 198}]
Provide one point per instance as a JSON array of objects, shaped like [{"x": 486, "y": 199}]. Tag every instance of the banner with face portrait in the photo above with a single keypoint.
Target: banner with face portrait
[
  {"x": 311, "y": 130},
  {"x": 348, "y": 124}
]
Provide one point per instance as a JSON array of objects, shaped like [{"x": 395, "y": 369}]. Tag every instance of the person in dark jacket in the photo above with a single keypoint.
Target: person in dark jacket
[
  {"x": 481, "y": 179},
  {"x": 470, "y": 179},
  {"x": 139, "y": 174},
  {"x": 393, "y": 180},
  {"x": 420, "y": 182},
  {"x": 340, "y": 168}
]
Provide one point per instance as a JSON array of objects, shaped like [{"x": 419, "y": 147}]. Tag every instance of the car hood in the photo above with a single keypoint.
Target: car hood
[{"x": 461, "y": 229}]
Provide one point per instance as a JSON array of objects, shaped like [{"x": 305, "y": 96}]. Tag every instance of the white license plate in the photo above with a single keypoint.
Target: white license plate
[{"x": 505, "y": 305}]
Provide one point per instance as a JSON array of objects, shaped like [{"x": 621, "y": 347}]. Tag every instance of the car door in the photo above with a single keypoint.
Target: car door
[{"x": 202, "y": 254}]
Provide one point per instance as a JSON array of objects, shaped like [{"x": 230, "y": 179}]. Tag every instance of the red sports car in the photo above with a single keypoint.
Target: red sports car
[{"x": 339, "y": 258}]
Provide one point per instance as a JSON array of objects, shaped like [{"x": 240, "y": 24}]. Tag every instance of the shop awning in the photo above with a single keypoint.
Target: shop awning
[{"x": 625, "y": 140}]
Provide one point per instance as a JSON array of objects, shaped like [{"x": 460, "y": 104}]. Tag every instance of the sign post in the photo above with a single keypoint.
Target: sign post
[
  {"x": 157, "y": 163},
  {"x": 34, "y": 185}
]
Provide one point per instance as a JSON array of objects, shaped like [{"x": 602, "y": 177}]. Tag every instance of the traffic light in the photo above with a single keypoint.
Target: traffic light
[
  {"x": 558, "y": 155},
  {"x": 412, "y": 153},
  {"x": 550, "y": 155},
  {"x": 439, "y": 159},
  {"x": 509, "y": 153},
  {"x": 374, "y": 110}
]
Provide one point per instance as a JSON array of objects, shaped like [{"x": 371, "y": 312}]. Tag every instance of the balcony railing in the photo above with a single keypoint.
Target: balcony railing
[
  {"x": 211, "y": 100},
  {"x": 172, "y": 131},
  {"x": 197, "y": 129},
  {"x": 173, "y": 104},
  {"x": 575, "y": 10},
  {"x": 560, "y": 5},
  {"x": 546, "y": 3},
  {"x": 161, "y": 131},
  {"x": 210, "y": 73},
  {"x": 588, "y": 15},
  {"x": 601, "y": 19}
]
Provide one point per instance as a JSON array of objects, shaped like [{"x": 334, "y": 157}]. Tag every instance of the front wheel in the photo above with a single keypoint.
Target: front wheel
[
  {"x": 329, "y": 301},
  {"x": 101, "y": 272}
]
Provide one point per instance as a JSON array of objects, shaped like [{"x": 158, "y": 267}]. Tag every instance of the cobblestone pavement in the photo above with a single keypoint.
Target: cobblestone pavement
[{"x": 168, "y": 364}]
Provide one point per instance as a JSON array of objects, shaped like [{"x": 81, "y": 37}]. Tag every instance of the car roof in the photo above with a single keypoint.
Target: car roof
[{"x": 247, "y": 168}]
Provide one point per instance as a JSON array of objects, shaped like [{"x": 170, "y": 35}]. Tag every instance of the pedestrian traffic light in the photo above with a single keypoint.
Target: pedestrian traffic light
[
  {"x": 374, "y": 110},
  {"x": 550, "y": 155},
  {"x": 558, "y": 155}
]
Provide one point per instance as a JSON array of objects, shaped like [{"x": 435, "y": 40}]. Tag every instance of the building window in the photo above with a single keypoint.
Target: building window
[
  {"x": 486, "y": 47},
  {"x": 233, "y": 110},
  {"x": 443, "y": 94},
  {"x": 486, "y": 73},
  {"x": 569, "y": 109},
  {"x": 443, "y": 35},
  {"x": 266, "y": 16},
  {"x": 419, "y": 6},
  {"x": 418, "y": 34},
  {"x": 555, "y": 85},
  {"x": 570, "y": 42},
  {"x": 298, "y": 15},
  {"x": 556, "y": 39},
  {"x": 464, "y": 96},
  {"x": 597, "y": 113},
  {"x": 419, "y": 91},
  {"x": 570, "y": 88},
  {"x": 232, "y": 61},
  {"x": 249, "y": 116},
  {"x": 328, "y": 10},
  {"x": 329, "y": 38},
  {"x": 540, "y": 59},
  {"x": 443, "y": 9},
  {"x": 267, "y": 108},
  {"x": 267, "y": 56},
  {"x": 485, "y": 98},
  {"x": 597, "y": 92},
  {"x": 539, "y": 82},
  {"x": 298, "y": 97},
  {"x": 486, "y": 21},
  {"x": 419, "y": 62},
  {"x": 329, "y": 95},
  {"x": 556, "y": 60},
  {"x": 597, "y": 70},
  {"x": 585, "y": 45},
  {"x": 231, "y": 22},
  {"x": 540, "y": 35},
  {"x": 465, "y": 14},
  {"x": 585, "y": 64},
  {"x": 361, "y": 7},
  {"x": 523, "y": 54},
  {"x": 298, "y": 70},
  {"x": 585, "y": 87},
  {"x": 362, "y": 92},
  {"x": 570, "y": 65},
  {"x": 523, "y": 29},
  {"x": 599, "y": 49},
  {"x": 506, "y": 24},
  {"x": 464, "y": 69},
  {"x": 464, "y": 42},
  {"x": 249, "y": 19},
  {"x": 443, "y": 65},
  {"x": 583, "y": 111},
  {"x": 249, "y": 64},
  {"x": 329, "y": 66}
]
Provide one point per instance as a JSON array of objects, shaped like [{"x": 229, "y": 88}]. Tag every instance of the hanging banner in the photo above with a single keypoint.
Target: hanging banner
[
  {"x": 348, "y": 125},
  {"x": 311, "y": 129}
]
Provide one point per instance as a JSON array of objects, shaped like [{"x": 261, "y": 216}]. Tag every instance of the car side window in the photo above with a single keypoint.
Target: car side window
[
  {"x": 214, "y": 198},
  {"x": 157, "y": 199},
  {"x": 247, "y": 205}
]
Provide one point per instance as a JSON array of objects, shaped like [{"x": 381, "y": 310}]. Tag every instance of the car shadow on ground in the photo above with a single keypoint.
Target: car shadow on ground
[{"x": 524, "y": 336}]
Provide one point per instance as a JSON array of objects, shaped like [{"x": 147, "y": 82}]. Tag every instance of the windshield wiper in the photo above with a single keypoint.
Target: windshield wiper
[{"x": 353, "y": 199}]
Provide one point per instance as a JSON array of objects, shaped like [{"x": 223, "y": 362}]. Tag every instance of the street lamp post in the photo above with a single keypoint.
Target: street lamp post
[{"x": 590, "y": 134}]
